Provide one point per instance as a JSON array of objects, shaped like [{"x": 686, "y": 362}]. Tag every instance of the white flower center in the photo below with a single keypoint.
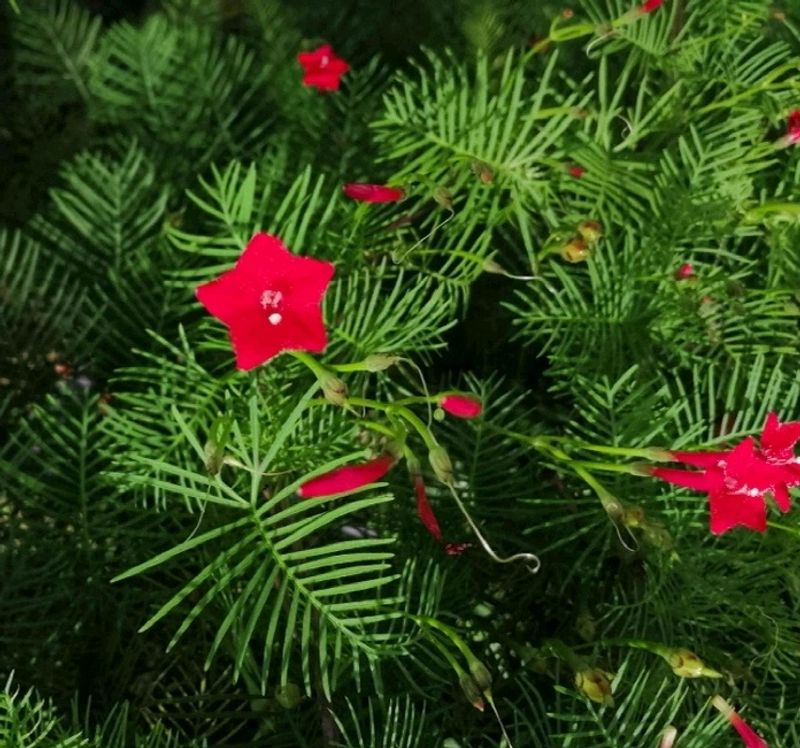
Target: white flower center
[
  {"x": 271, "y": 302},
  {"x": 324, "y": 60}
]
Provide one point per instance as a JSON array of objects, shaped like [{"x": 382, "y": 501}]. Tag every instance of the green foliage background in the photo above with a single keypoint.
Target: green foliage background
[{"x": 141, "y": 148}]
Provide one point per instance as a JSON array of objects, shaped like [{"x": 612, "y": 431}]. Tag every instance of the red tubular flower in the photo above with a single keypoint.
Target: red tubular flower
[
  {"x": 372, "y": 193},
  {"x": 576, "y": 171},
  {"x": 684, "y": 271},
  {"x": 270, "y": 302},
  {"x": 462, "y": 406},
  {"x": 322, "y": 69},
  {"x": 750, "y": 737},
  {"x": 793, "y": 127},
  {"x": 347, "y": 478},
  {"x": 425, "y": 512},
  {"x": 650, "y": 6}
]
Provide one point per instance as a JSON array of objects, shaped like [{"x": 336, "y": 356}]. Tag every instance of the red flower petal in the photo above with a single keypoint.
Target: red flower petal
[
  {"x": 372, "y": 193},
  {"x": 778, "y": 440},
  {"x": 699, "y": 481},
  {"x": 684, "y": 271},
  {"x": 425, "y": 511},
  {"x": 729, "y": 510},
  {"x": 462, "y": 406},
  {"x": 700, "y": 459},
  {"x": 322, "y": 69},
  {"x": 650, "y": 6},
  {"x": 270, "y": 301},
  {"x": 576, "y": 171},
  {"x": 347, "y": 478}
]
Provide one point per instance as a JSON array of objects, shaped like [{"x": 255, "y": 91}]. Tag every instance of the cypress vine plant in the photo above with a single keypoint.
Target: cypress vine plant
[{"x": 399, "y": 379}]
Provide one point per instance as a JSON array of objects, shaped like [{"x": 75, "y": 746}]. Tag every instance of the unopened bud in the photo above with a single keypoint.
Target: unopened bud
[
  {"x": 669, "y": 737},
  {"x": 214, "y": 448},
  {"x": 633, "y": 516},
  {"x": 439, "y": 415},
  {"x": 288, "y": 695},
  {"x": 334, "y": 389},
  {"x": 596, "y": 684},
  {"x": 441, "y": 464},
  {"x": 472, "y": 691},
  {"x": 658, "y": 536},
  {"x": 481, "y": 675},
  {"x": 483, "y": 171},
  {"x": 490, "y": 266},
  {"x": 687, "y": 664},
  {"x": 585, "y": 626},
  {"x": 590, "y": 230},
  {"x": 575, "y": 251},
  {"x": 380, "y": 361},
  {"x": 443, "y": 198}
]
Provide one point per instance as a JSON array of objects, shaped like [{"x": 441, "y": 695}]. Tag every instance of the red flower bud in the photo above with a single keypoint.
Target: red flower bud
[
  {"x": 684, "y": 271},
  {"x": 347, "y": 478},
  {"x": 650, "y": 6},
  {"x": 425, "y": 511},
  {"x": 462, "y": 406},
  {"x": 372, "y": 193},
  {"x": 576, "y": 171},
  {"x": 793, "y": 128}
]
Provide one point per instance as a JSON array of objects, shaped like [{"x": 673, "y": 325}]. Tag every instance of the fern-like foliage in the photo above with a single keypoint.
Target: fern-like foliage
[{"x": 276, "y": 580}]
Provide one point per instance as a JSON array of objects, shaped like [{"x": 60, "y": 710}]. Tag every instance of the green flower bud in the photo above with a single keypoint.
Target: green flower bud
[
  {"x": 633, "y": 516},
  {"x": 380, "y": 361},
  {"x": 214, "y": 448},
  {"x": 592, "y": 231},
  {"x": 483, "y": 171},
  {"x": 481, "y": 675},
  {"x": 658, "y": 536},
  {"x": 596, "y": 684},
  {"x": 576, "y": 250},
  {"x": 288, "y": 696},
  {"x": 687, "y": 664},
  {"x": 441, "y": 464},
  {"x": 490, "y": 266},
  {"x": 334, "y": 389},
  {"x": 471, "y": 691},
  {"x": 443, "y": 198}
]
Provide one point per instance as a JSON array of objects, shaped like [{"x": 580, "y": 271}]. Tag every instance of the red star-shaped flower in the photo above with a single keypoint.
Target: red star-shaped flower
[
  {"x": 650, "y": 6},
  {"x": 738, "y": 480},
  {"x": 322, "y": 69},
  {"x": 270, "y": 302},
  {"x": 778, "y": 440}
]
